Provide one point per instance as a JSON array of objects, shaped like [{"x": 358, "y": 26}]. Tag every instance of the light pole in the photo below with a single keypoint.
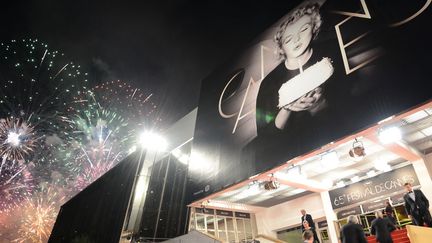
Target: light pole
[{"x": 149, "y": 143}]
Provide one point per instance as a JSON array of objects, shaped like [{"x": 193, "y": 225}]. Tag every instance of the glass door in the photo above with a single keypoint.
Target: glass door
[
  {"x": 241, "y": 232},
  {"x": 324, "y": 235},
  {"x": 244, "y": 230},
  {"x": 200, "y": 222},
  {"x": 221, "y": 228},
  {"x": 210, "y": 222},
  {"x": 248, "y": 229},
  {"x": 401, "y": 215},
  {"x": 231, "y": 230}
]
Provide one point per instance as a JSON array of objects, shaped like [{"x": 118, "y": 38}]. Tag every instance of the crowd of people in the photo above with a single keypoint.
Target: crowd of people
[{"x": 416, "y": 206}]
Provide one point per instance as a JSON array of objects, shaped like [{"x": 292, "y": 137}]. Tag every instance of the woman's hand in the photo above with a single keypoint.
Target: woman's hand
[{"x": 306, "y": 102}]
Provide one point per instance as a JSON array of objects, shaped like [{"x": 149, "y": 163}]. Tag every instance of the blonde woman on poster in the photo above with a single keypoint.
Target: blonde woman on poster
[{"x": 297, "y": 83}]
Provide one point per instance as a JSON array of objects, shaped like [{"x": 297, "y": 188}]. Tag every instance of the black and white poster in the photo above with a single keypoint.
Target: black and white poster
[{"x": 325, "y": 70}]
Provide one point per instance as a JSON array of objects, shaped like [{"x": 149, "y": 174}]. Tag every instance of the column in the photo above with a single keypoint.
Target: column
[
  {"x": 140, "y": 192},
  {"x": 330, "y": 215}
]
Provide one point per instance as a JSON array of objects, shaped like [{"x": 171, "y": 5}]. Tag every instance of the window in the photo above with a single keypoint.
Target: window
[
  {"x": 200, "y": 222},
  {"x": 230, "y": 227},
  {"x": 210, "y": 225},
  {"x": 221, "y": 226},
  {"x": 241, "y": 234},
  {"x": 192, "y": 222},
  {"x": 248, "y": 229}
]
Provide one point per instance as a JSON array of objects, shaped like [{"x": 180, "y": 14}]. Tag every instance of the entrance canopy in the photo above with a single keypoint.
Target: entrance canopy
[{"x": 388, "y": 145}]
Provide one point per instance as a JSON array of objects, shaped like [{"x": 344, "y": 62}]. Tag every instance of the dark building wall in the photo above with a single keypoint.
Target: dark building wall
[
  {"x": 97, "y": 213},
  {"x": 165, "y": 211}
]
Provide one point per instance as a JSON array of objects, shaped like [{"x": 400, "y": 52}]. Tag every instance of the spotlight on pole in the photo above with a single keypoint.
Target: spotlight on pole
[
  {"x": 382, "y": 165},
  {"x": 330, "y": 159},
  {"x": 371, "y": 173},
  {"x": 340, "y": 184},
  {"x": 152, "y": 141},
  {"x": 357, "y": 152},
  {"x": 355, "y": 179}
]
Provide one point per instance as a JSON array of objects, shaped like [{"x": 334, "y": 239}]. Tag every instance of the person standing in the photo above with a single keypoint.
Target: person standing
[
  {"x": 306, "y": 217},
  {"x": 308, "y": 237},
  {"x": 352, "y": 232},
  {"x": 388, "y": 208},
  {"x": 307, "y": 227},
  {"x": 381, "y": 228},
  {"x": 389, "y": 212},
  {"x": 417, "y": 206},
  {"x": 307, "y": 223}
]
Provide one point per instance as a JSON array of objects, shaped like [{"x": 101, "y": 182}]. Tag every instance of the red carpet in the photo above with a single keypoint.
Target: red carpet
[{"x": 399, "y": 236}]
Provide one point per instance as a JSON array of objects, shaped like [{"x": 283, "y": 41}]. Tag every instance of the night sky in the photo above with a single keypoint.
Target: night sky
[{"x": 165, "y": 47}]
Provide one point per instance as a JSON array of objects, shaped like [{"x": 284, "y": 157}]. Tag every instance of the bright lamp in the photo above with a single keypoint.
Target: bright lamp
[
  {"x": 152, "y": 141},
  {"x": 390, "y": 135}
]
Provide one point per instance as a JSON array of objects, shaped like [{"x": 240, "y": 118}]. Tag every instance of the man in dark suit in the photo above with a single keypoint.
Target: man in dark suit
[
  {"x": 352, "y": 232},
  {"x": 306, "y": 217},
  {"x": 381, "y": 228},
  {"x": 417, "y": 206}
]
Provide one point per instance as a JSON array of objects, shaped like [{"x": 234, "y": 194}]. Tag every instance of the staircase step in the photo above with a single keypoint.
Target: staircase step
[{"x": 398, "y": 236}]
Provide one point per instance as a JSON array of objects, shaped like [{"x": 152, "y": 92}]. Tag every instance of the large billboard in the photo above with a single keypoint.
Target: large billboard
[
  {"x": 325, "y": 70},
  {"x": 376, "y": 187}
]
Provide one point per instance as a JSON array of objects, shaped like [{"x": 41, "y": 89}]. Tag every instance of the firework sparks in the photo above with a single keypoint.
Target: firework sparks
[
  {"x": 128, "y": 101},
  {"x": 103, "y": 139},
  {"x": 107, "y": 119},
  {"x": 54, "y": 130},
  {"x": 38, "y": 214},
  {"x": 15, "y": 184},
  {"x": 92, "y": 173},
  {"x": 37, "y": 81},
  {"x": 37, "y": 85},
  {"x": 17, "y": 139}
]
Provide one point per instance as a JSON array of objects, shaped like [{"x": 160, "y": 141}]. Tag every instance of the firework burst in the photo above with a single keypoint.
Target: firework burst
[
  {"x": 55, "y": 131},
  {"x": 103, "y": 139},
  {"x": 37, "y": 80},
  {"x": 107, "y": 119},
  {"x": 15, "y": 184},
  {"x": 97, "y": 125},
  {"x": 132, "y": 103},
  {"x": 17, "y": 139},
  {"x": 90, "y": 173},
  {"x": 38, "y": 214},
  {"x": 37, "y": 86}
]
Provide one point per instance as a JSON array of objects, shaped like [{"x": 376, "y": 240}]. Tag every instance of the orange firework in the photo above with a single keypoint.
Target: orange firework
[{"x": 38, "y": 214}]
